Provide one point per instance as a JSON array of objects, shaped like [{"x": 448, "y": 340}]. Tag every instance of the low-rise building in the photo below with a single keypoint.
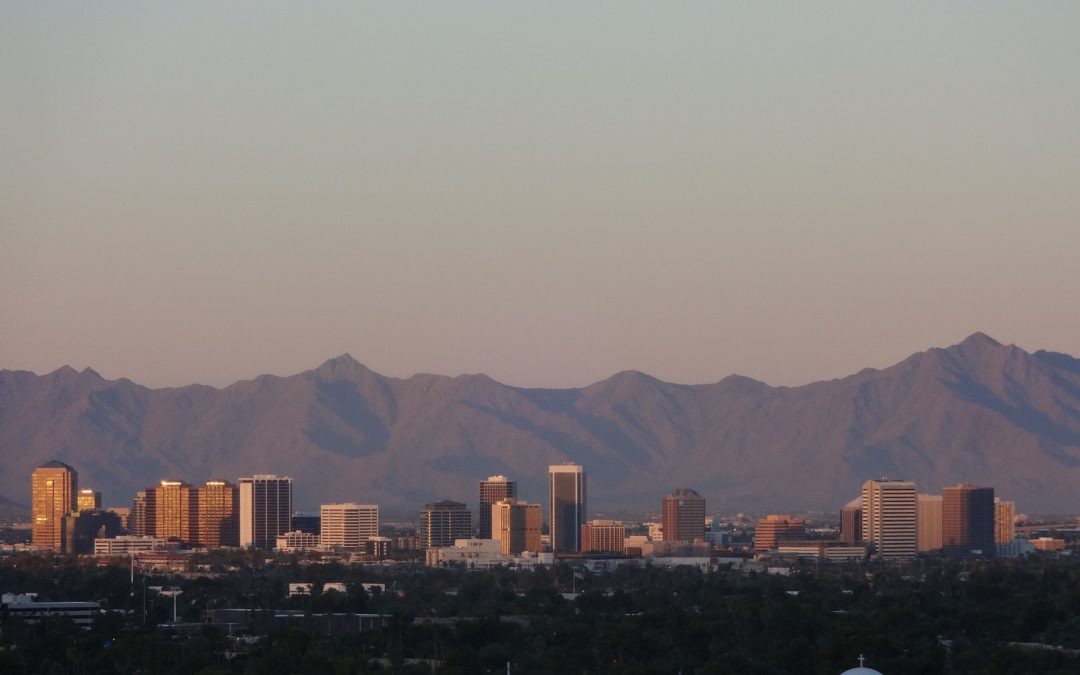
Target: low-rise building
[
  {"x": 128, "y": 544},
  {"x": 25, "y": 607},
  {"x": 297, "y": 540},
  {"x": 482, "y": 554}
]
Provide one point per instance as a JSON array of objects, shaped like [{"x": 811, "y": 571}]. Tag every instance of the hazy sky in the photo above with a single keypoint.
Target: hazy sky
[{"x": 546, "y": 192}]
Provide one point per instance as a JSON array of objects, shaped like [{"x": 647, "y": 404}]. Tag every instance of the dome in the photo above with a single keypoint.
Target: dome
[{"x": 861, "y": 671}]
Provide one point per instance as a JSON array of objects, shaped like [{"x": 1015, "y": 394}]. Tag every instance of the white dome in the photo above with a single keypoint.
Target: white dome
[{"x": 861, "y": 671}]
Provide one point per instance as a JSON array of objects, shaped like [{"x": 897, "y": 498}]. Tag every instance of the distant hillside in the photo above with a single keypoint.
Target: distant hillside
[{"x": 978, "y": 411}]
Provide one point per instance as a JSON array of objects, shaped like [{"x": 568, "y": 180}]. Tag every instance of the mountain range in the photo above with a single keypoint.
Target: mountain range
[{"x": 978, "y": 411}]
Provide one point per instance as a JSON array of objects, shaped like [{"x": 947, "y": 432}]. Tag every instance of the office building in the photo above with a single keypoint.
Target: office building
[
  {"x": 967, "y": 520},
  {"x": 494, "y": 489},
  {"x": 443, "y": 523},
  {"x": 1004, "y": 521},
  {"x": 851, "y": 522},
  {"x": 603, "y": 536},
  {"x": 348, "y": 526},
  {"x": 774, "y": 528},
  {"x": 218, "y": 514},
  {"x": 683, "y": 516},
  {"x": 297, "y": 540},
  {"x": 175, "y": 512},
  {"x": 53, "y": 489},
  {"x": 265, "y": 510},
  {"x": 889, "y": 517},
  {"x": 126, "y": 545},
  {"x": 88, "y": 499},
  {"x": 141, "y": 517},
  {"x": 566, "y": 492},
  {"x": 928, "y": 523},
  {"x": 516, "y": 523},
  {"x": 83, "y": 527}
]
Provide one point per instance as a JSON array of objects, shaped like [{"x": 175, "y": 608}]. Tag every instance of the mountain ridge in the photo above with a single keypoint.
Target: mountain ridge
[{"x": 977, "y": 411}]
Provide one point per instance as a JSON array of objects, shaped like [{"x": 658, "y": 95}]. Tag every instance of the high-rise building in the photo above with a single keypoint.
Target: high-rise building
[
  {"x": 889, "y": 516},
  {"x": 442, "y": 523},
  {"x": 851, "y": 521},
  {"x": 774, "y": 528},
  {"x": 603, "y": 536},
  {"x": 265, "y": 510},
  {"x": 89, "y": 499},
  {"x": 1004, "y": 521},
  {"x": 53, "y": 489},
  {"x": 928, "y": 523},
  {"x": 684, "y": 516},
  {"x": 967, "y": 520},
  {"x": 175, "y": 511},
  {"x": 516, "y": 523},
  {"x": 218, "y": 508},
  {"x": 348, "y": 526},
  {"x": 141, "y": 519},
  {"x": 566, "y": 491},
  {"x": 83, "y": 527},
  {"x": 494, "y": 489}
]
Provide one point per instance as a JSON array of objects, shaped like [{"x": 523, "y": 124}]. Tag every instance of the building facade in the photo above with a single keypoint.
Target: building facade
[
  {"x": 516, "y": 524},
  {"x": 566, "y": 493},
  {"x": 493, "y": 489},
  {"x": 175, "y": 511},
  {"x": 928, "y": 523},
  {"x": 218, "y": 514},
  {"x": 443, "y": 523},
  {"x": 774, "y": 528},
  {"x": 348, "y": 526},
  {"x": 53, "y": 494},
  {"x": 889, "y": 517},
  {"x": 603, "y": 536},
  {"x": 967, "y": 520},
  {"x": 851, "y": 522},
  {"x": 683, "y": 516},
  {"x": 89, "y": 499},
  {"x": 265, "y": 510},
  {"x": 1004, "y": 521}
]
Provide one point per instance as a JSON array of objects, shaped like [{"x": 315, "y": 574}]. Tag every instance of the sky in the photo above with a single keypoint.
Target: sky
[{"x": 545, "y": 192}]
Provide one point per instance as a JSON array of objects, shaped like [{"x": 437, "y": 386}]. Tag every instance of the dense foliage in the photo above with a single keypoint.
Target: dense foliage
[{"x": 928, "y": 617}]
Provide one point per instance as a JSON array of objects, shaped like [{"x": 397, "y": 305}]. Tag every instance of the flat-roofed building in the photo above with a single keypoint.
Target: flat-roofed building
[
  {"x": 516, "y": 524},
  {"x": 1004, "y": 521},
  {"x": 603, "y": 536},
  {"x": 928, "y": 523},
  {"x": 297, "y": 540},
  {"x": 218, "y": 509},
  {"x": 774, "y": 528},
  {"x": 141, "y": 517},
  {"x": 175, "y": 512},
  {"x": 851, "y": 522},
  {"x": 348, "y": 526},
  {"x": 492, "y": 490},
  {"x": 442, "y": 523},
  {"x": 566, "y": 493},
  {"x": 127, "y": 544},
  {"x": 889, "y": 517},
  {"x": 88, "y": 499},
  {"x": 83, "y": 527},
  {"x": 265, "y": 510},
  {"x": 53, "y": 489},
  {"x": 967, "y": 525}
]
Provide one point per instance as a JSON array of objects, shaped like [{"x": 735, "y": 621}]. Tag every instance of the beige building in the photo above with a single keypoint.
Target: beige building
[
  {"x": 928, "y": 523},
  {"x": 1004, "y": 521},
  {"x": 218, "y": 515},
  {"x": 53, "y": 489},
  {"x": 348, "y": 526},
  {"x": 493, "y": 489},
  {"x": 683, "y": 516},
  {"x": 175, "y": 512},
  {"x": 603, "y": 536},
  {"x": 516, "y": 524},
  {"x": 443, "y": 523},
  {"x": 89, "y": 500},
  {"x": 889, "y": 517}
]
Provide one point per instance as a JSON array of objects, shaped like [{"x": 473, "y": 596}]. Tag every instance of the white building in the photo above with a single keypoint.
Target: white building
[
  {"x": 348, "y": 526},
  {"x": 297, "y": 541},
  {"x": 131, "y": 544},
  {"x": 265, "y": 510},
  {"x": 482, "y": 554},
  {"x": 889, "y": 517}
]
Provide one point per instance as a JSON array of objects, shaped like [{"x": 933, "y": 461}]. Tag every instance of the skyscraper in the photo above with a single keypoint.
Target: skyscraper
[
  {"x": 88, "y": 499},
  {"x": 684, "y": 516},
  {"x": 53, "y": 489},
  {"x": 1004, "y": 521},
  {"x": 851, "y": 521},
  {"x": 566, "y": 489},
  {"x": 348, "y": 526},
  {"x": 516, "y": 523},
  {"x": 967, "y": 520},
  {"x": 175, "y": 512},
  {"x": 495, "y": 488},
  {"x": 141, "y": 518},
  {"x": 265, "y": 510},
  {"x": 928, "y": 523},
  {"x": 889, "y": 513},
  {"x": 218, "y": 509},
  {"x": 441, "y": 523}
]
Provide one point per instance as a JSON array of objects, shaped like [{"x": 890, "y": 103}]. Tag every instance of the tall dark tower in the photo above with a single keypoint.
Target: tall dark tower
[
  {"x": 967, "y": 520},
  {"x": 566, "y": 483},
  {"x": 494, "y": 489},
  {"x": 684, "y": 516}
]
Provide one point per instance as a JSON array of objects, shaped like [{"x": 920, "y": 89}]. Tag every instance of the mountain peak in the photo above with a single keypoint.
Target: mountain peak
[
  {"x": 341, "y": 366},
  {"x": 979, "y": 339}
]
